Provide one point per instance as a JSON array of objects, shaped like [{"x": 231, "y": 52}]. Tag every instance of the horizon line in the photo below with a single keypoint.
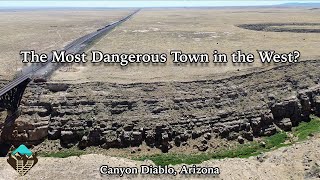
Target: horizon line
[{"x": 143, "y": 3}]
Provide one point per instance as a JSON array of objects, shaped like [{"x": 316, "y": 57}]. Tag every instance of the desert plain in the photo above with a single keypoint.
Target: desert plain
[
  {"x": 196, "y": 31},
  {"x": 144, "y": 109},
  {"x": 44, "y": 31}
]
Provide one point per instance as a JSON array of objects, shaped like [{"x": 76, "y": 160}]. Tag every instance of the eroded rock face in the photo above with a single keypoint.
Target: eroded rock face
[
  {"x": 24, "y": 131},
  {"x": 169, "y": 114},
  {"x": 317, "y": 105},
  {"x": 290, "y": 108}
]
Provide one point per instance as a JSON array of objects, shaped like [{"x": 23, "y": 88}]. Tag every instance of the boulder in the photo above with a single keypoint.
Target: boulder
[
  {"x": 305, "y": 106},
  {"x": 38, "y": 134},
  {"x": 111, "y": 139},
  {"x": 202, "y": 147},
  {"x": 165, "y": 145},
  {"x": 83, "y": 143},
  {"x": 177, "y": 141},
  {"x": 68, "y": 138},
  {"x": 185, "y": 136},
  {"x": 256, "y": 125},
  {"x": 94, "y": 137},
  {"x": 232, "y": 136},
  {"x": 126, "y": 137},
  {"x": 150, "y": 138},
  {"x": 136, "y": 138},
  {"x": 267, "y": 118},
  {"x": 207, "y": 136},
  {"x": 56, "y": 87},
  {"x": 268, "y": 130},
  {"x": 196, "y": 134},
  {"x": 285, "y": 124},
  {"x": 54, "y": 134},
  {"x": 247, "y": 135},
  {"x": 240, "y": 139},
  {"x": 204, "y": 141}
]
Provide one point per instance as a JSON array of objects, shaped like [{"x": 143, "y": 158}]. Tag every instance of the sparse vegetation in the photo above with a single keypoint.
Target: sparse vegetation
[
  {"x": 306, "y": 129},
  {"x": 241, "y": 151},
  {"x": 302, "y": 131},
  {"x": 63, "y": 153}
]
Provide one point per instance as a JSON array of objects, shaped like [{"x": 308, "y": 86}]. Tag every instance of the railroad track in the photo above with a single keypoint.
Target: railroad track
[{"x": 46, "y": 69}]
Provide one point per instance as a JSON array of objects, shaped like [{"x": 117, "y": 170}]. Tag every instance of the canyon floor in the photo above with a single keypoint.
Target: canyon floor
[{"x": 299, "y": 161}]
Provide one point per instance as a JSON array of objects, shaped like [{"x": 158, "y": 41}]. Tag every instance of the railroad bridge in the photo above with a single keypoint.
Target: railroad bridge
[{"x": 11, "y": 95}]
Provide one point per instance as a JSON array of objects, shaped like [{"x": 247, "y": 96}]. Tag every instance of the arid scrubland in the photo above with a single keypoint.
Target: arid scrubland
[
  {"x": 196, "y": 31},
  {"x": 46, "y": 30}
]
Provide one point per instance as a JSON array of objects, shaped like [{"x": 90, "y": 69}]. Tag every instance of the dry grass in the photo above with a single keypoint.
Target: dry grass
[
  {"x": 195, "y": 31},
  {"x": 45, "y": 31}
]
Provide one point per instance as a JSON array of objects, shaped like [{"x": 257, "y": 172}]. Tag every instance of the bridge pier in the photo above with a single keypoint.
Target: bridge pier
[{"x": 11, "y": 99}]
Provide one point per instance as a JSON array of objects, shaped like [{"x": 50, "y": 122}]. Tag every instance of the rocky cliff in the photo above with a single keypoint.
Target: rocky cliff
[{"x": 167, "y": 114}]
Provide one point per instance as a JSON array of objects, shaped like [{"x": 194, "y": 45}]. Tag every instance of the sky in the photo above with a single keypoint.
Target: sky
[{"x": 138, "y": 3}]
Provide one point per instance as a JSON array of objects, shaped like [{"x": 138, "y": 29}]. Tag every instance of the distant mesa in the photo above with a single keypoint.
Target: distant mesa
[
  {"x": 300, "y": 4},
  {"x": 283, "y": 27}
]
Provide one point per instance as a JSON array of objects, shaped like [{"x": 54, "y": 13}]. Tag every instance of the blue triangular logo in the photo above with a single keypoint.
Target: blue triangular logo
[{"x": 22, "y": 150}]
